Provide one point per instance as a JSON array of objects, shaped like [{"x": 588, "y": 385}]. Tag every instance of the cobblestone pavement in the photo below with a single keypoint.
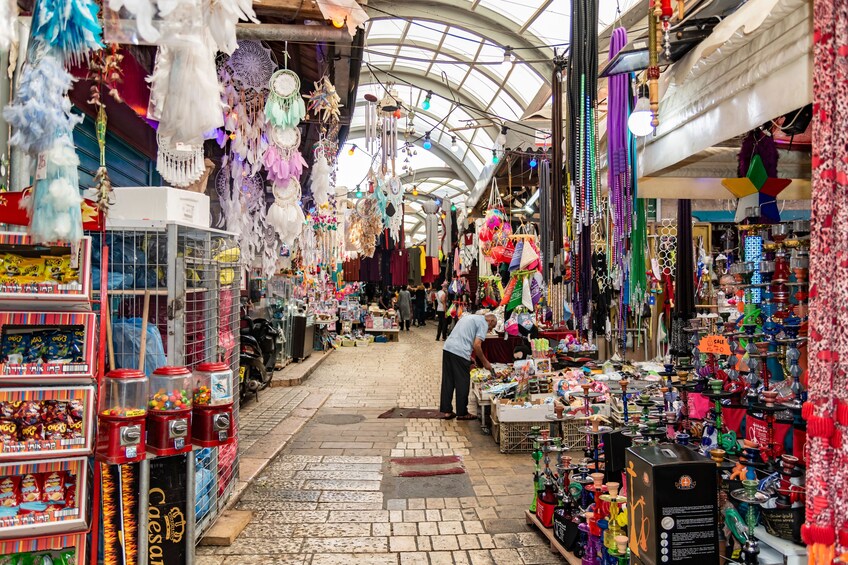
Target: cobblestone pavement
[
  {"x": 330, "y": 496},
  {"x": 257, "y": 418}
]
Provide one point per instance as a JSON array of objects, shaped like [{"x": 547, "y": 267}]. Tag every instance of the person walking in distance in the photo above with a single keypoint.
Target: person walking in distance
[
  {"x": 404, "y": 304},
  {"x": 441, "y": 307},
  {"x": 467, "y": 336}
]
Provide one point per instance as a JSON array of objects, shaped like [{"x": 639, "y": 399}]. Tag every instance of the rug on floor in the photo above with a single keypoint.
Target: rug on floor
[
  {"x": 412, "y": 413},
  {"x": 427, "y": 466}
]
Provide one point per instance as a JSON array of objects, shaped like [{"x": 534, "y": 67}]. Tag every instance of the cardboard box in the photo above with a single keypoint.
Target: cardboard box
[
  {"x": 509, "y": 411},
  {"x": 161, "y": 203},
  {"x": 672, "y": 506}
]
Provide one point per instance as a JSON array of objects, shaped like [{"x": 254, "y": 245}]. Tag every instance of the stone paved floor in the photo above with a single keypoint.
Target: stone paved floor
[{"x": 330, "y": 498}]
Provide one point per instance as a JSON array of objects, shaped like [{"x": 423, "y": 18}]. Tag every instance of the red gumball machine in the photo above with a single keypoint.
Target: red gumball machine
[
  {"x": 169, "y": 411},
  {"x": 120, "y": 430},
  {"x": 212, "y": 419}
]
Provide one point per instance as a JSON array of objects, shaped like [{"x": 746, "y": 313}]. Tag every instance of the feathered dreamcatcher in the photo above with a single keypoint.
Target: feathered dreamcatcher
[
  {"x": 8, "y": 24},
  {"x": 104, "y": 72},
  {"x": 176, "y": 21},
  {"x": 394, "y": 206},
  {"x": 284, "y": 107},
  {"x": 185, "y": 95},
  {"x": 221, "y": 18},
  {"x": 324, "y": 102},
  {"x": 370, "y": 222},
  {"x": 321, "y": 180},
  {"x": 179, "y": 164},
  {"x": 245, "y": 75},
  {"x": 284, "y": 215},
  {"x": 283, "y": 159}
]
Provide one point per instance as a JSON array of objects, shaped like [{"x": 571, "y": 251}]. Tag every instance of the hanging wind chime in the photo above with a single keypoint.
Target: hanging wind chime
[
  {"x": 370, "y": 123},
  {"x": 390, "y": 109}
]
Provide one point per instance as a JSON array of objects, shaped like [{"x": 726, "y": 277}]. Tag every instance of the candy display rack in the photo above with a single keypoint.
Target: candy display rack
[{"x": 48, "y": 371}]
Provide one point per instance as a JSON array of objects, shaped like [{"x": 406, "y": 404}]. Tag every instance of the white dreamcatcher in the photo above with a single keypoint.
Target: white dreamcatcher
[
  {"x": 242, "y": 207},
  {"x": 394, "y": 206},
  {"x": 284, "y": 215},
  {"x": 179, "y": 164}
]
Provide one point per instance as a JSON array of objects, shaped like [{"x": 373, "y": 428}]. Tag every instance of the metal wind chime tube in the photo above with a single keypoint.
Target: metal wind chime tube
[{"x": 371, "y": 123}]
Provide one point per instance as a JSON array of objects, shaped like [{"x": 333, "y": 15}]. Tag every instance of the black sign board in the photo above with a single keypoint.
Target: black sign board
[{"x": 167, "y": 511}]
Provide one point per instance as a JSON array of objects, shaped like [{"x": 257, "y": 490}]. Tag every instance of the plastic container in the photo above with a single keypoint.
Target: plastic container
[
  {"x": 170, "y": 390},
  {"x": 213, "y": 385},
  {"x": 124, "y": 394}
]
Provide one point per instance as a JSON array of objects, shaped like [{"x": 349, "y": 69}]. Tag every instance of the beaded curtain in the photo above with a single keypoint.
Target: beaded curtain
[{"x": 826, "y": 411}]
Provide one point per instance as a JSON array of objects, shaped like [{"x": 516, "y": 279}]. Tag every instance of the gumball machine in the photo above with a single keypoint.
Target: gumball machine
[
  {"x": 212, "y": 420},
  {"x": 169, "y": 411},
  {"x": 120, "y": 430}
]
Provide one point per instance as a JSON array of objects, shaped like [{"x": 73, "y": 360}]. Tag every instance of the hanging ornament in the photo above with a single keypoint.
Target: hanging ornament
[
  {"x": 370, "y": 122},
  {"x": 179, "y": 164},
  {"x": 54, "y": 207},
  {"x": 185, "y": 95},
  {"x": 389, "y": 107},
  {"x": 394, "y": 207},
  {"x": 285, "y": 107},
  {"x": 8, "y": 24},
  {"x": 41, "y": 110},
  {"x": 324, "y": 101},
  {"x": 221, "y": 18},
  {"x": 321, "y": 181},
  {"x": 284, "y": 215},
  {"x": 283, "y": 159},
  {"x": 68, "y": 27}
]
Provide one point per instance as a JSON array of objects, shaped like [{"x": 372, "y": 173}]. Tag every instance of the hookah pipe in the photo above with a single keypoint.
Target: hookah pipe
[{"x": 750, "y": 545}]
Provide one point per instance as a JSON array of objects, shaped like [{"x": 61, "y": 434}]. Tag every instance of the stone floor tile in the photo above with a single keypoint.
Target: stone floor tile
[
  {"x": 503, "y": 541},
  {"x": 290, "y": 517},
  {"x": 416, "y": 504},
  {"x": 331, "y": 530},
  {"x": 480, "y": 557},
  {"x": 342, "y": 485},
  {"x": 381, "y": 529},
  {"x": 461, "y": 558},
  {"x": 402, "y": 543},
  {"x": 345, "y": 545},
  {"x": 338, "y": 475},
  {"x": 450, "y": 528},
  {"x": 355, "y": 558},
  {"x": 442, "y": 543},
  {"x": 468, "y": 541},
  {"x": 395, "y": 515},
  {"x": 268, "y": 546},
  {"x": 414, "y": 558},
  {"x": 433, "y": 515},
  {"x": 367, "y": 516},
  {"x": 473, "y": 527},
  {"x": 538, "y": 555},
  {"x": 452, "y": 503},
  {"x": 414, "y": 516},
  {"x": 501, "y": 557},
  {"x": 529, "y": 539},
  {"x": 428, "y": 528},
  {"x": 208, "y": 559},
  {"x": 424, "y": 543},
  {"x": 404, "y": 529},
  {"x": 279, "y": 559},
  {"x": 396, "y": 504},
  {"x": 435, "y": 503},
  {"x": 452, "y": 514},
  {"x": 441, "y": 558}
]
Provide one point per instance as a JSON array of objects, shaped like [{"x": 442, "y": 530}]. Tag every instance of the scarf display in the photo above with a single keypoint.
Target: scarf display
[
  {"x": 684, "y": 296},
  {"x": 826, "y": 411}
]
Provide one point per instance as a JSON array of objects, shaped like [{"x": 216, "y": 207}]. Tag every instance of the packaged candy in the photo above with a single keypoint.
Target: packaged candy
[
  {"x": 9, "y": 431},
  {"x": 58, "y": 346},
  {"x": 12, "y": 265},
  {"x": 78, "y": 345},
  {"x": 33, "y": 432},
  {"x": 31, "y": 488},
  {"x": 70, "y": 491},
  {"x": 55, "y": 430},
  {"x": 54, "y": 269},
  {"x": 54, "y": 487},
  {"x": 76, "y": 409},
  {"x": 14, "y": 347},
  {"x": 35, "y": 351},
  {"x": 7, "y": 410},
  {"x": 10, "y": 491},
  {"x": 32, "y": 270},
  {"x": 28, "y": 413}
]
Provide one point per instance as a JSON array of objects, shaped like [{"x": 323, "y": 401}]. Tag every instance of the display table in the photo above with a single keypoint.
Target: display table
[
  {"x": 484, "y": 406},
  {"x": 499, "y": 350},
  {"x": 556, "y": 335},
  {"x": 392, "y": 334}
]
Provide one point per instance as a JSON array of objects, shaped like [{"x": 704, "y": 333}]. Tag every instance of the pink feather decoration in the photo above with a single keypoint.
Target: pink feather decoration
[{"x": 280, "y": 168}]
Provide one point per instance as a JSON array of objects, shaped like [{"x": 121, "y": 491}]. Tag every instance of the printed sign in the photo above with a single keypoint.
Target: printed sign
[
  {"x": 167, "y": 513},
  {"x": 119, "y": 484},
  {"x": 715, "y": 344}
]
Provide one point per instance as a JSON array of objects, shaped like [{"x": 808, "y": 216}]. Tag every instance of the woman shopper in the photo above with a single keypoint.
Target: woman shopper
[
  {"x": 441, "y": 307},
  {"x": 404, "y": 303},
  {"x": 420, "y": 306}
]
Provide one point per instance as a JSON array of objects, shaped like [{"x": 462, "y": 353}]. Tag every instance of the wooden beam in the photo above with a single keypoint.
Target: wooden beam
[
  {"x": 707, "y": 189},
  {"x": 303, "y": 9}
]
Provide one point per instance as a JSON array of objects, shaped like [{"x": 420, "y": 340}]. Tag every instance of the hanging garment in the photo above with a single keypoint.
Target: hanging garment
[{"x": 414, "y": 269}]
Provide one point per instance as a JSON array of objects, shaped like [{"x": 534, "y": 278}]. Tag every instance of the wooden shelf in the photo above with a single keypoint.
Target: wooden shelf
[{"x": 556, "y": 547}]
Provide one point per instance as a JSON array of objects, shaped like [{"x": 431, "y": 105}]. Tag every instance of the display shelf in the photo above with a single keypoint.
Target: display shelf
[
  {"x": 47, "y": 347},
  {"x": 71, "y": 546},
  {"x": 46, "y": 422},
  {"x": 53, "y": 276},
  {"x": 43, "y": 497},
  {"x": 556, "y": 547},
  {"x": 149, "y": 291},
  {"x": 791, "y": 553}
]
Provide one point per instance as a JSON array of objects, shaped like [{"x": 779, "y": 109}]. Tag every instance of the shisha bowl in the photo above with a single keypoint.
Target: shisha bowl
[
  {"x": 779, "y": 232},
  {"x": 801, "y": 228}
]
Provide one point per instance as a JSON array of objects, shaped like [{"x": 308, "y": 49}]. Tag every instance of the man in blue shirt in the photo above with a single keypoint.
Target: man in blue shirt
[{"x": 468, "y": 335}]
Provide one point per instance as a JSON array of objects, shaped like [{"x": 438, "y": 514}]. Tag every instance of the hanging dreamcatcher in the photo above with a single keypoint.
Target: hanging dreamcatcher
[
  {"x": 244, "y": 76},
  {"x": 285, "y": 107},
  {"x": 371, "y": 225},
  {"x": 179, "y": 164},
  {"x": 283, "y": 159},
  {"x": 320, "y": 184},
  {"x": 394, "y": 207},
  {"x": 284, "y": 215}
]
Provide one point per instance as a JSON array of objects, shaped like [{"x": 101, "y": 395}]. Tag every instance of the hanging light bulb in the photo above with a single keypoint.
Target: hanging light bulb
[
  {"x": 454, "y": 145},
  {"x": 508, "y": 56},
  {"x": 533, "y": 162},
  {"x": 415, "y": 191},
  {"x": 339, "y": 22},
  {"x": 426, "y": 104},
  {"x": 495, "y": 157},
  {"x": 453, "y": 207},
  {"x": 639, "y": 122},
  {"x": 352, "y": 150},
  {"x": 427, "y": 143}
]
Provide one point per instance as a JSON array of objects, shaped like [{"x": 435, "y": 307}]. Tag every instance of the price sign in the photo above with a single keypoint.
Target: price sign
[{"x": 715, "y": 344}]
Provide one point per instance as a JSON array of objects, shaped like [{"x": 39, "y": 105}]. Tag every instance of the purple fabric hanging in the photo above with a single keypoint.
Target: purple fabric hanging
[{"x": 618, "y": 152}]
